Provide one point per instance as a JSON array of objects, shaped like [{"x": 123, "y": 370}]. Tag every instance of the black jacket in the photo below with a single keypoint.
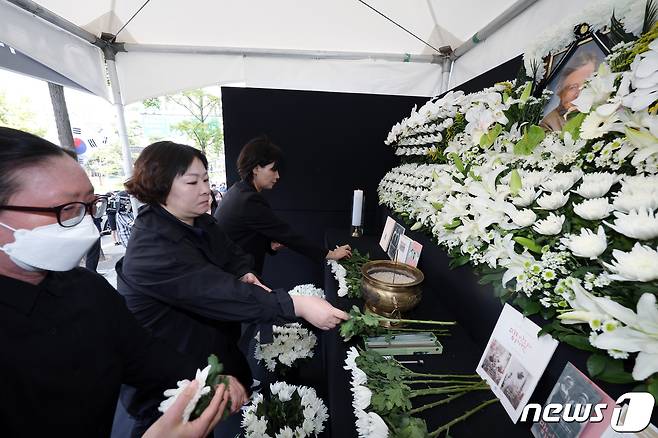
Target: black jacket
[
  {"x": 181, "y": 282},
  {"x": 248, "y": 220}
]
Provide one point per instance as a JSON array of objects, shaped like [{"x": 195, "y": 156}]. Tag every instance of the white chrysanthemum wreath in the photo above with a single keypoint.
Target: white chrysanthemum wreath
[
  {"x": 290, "y": 343},
  {"x": 289, "y": 412}
]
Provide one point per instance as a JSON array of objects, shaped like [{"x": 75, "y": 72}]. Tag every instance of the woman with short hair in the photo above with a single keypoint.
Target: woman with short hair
[
  {"x": 248, "y": 219},
  {"x": 186, "y": 281}
]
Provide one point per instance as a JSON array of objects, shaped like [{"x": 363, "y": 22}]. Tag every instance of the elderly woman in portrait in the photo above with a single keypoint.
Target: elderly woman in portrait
[
  {"x": 571, "y": 81},
  {"x": 187, "y": 282}
]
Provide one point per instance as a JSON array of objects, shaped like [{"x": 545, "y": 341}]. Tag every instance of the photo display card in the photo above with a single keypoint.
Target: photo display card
[
  {"x": 515, "y": 359},
  {"x": 399, "y": 247},
  {"x": 573, "y": 388}
]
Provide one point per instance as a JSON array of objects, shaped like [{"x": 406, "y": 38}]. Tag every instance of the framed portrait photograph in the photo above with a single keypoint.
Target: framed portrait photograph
[{"x": 567, "y": 71}]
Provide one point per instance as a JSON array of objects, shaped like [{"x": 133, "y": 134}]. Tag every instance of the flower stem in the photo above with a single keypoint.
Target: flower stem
[
  {"x": 440, "y": 376},
  {"x": 439, "y": 381},
  {"x": 444, "y": 390},
  {"x": 467, "y": 414},
  {"x": 436, "y": 403}
]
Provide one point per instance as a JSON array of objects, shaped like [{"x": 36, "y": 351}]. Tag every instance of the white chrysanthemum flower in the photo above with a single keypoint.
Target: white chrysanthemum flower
[
  {"x": 525, "y": 197},
  {"x": 593, "y": 209},
  {"x": 522, "y": 218},
  {"x": 376, "y": 426},
  {"x": 290, "y": 343},
  {"x": 550, "y": 226},
  {"x": 561, "y": 181},
  {"x": 362, "y": 396},
  {"x": 586, "y": 244},
  {"x": 636, "y": 224},
  {"x": 595, "y": 185},
  {"x": 637, "y": 265},
  {"x": 626, "y": 201},
  {"x": 340, "y": 274},
  {"x": 201, "y": 389},
  {"x": 553, "y": 201},
  {"x": 307, "y": 290}
]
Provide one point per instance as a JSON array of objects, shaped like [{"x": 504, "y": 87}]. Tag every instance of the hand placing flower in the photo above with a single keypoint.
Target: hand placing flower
[{"x": 252, "y": 279}]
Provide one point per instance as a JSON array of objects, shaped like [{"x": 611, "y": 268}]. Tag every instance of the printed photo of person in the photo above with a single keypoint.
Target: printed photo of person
[
  {"x": 567, "y": 83},
  {"x": 515, "y": 381},
  {"x": 495, "y": 361}
]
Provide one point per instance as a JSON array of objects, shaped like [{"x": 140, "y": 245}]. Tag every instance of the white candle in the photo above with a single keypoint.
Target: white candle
[{"x": 357, "y": 206}]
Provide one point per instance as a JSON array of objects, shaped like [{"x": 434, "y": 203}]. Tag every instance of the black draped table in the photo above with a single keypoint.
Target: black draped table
[{"x": 460, "y": 355}]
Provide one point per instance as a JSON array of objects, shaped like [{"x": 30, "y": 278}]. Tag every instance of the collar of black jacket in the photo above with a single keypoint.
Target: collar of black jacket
[
  {"x": 158, "y": 219},
  {"x": 245, "y": 186}
]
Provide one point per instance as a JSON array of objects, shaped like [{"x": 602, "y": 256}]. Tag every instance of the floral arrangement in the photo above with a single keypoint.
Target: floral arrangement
[
  {"x": 207, "y": 379},
  {"x": 307, "y": 290},
  {"x": 347, "y": 273},
  {"x": 290, "y": 343},
  {"x": 562, "y": 223},
  {"x": 288, "y": 411},
  {"x": 383, "y": 390}
]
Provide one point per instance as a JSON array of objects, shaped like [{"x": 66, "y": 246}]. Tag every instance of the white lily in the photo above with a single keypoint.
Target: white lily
[
  {"x": 593, "y": 209},
  {"x": 550, "y": 226},
  {"x": 637, "y": 265},
  {"x": 597, "y": 90},
  {"x": 586, "y": 244},
  {"x": 637, "y": 224},
  {"x": 644, "y": 141},
  {"x": 596, "y": 184},
  {"x": 597, "y": 125},
  {"x": 640, "y": 334},
  {"x": 553, "y": 201}
]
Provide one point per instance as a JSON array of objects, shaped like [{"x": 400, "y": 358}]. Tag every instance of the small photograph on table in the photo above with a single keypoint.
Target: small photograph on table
[
  {"x": 515, "y": 382},
  {"x": 496, "y": 359},
  {"x": 392, "y": 251}
]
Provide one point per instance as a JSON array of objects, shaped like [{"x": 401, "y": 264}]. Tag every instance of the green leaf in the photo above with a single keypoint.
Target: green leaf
[
  {"x": 612, "y": 372},
  {"x": 525, "y": 95},
  {"x": 531, "y": 138},
  {"x": 452, "y": 225},
  {"x": 437, "y": 205},
  {"x": 528, "y": 306},
  {"x": 515, "y": 183},
  {"x": 596, "y": 364},
  {"x": 458, "y": 162},
  {"x": 573, "y": 125},
  {"x": 530, "y": 244},
  {"x": 416, "y": 226},
  {"x": 581, "y": 342},
  {"x": 435, "y": 176},
  {"x": 490, "y": 136}
]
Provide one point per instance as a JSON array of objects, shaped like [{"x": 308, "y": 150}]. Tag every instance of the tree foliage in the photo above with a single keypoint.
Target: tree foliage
[{"x": 18, "y": 116}]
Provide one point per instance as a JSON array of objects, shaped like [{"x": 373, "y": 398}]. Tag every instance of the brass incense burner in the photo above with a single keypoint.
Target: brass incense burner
[{"x": 390, "y": 288}]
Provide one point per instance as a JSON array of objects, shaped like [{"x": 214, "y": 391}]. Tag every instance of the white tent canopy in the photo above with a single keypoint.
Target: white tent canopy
[{"x": 338, "y": 45}]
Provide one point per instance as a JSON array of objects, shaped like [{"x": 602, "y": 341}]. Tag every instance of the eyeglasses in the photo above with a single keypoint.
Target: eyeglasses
[{"x": 69, "y": 214}]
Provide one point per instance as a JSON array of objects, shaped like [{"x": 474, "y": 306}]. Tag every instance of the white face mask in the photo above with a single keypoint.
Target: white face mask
[{"x": 51, "y": 247}]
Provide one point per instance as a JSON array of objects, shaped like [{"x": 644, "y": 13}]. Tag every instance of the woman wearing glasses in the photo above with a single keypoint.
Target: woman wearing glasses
[
  {"x": 187, "y": 282},
  {"x": 68, "y": 341}
]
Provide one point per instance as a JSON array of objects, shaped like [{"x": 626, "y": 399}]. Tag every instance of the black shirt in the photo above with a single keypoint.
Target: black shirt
[
  {"x": 182, "y": 283},
  {"x": 248, "y": 220},
  {"x": 66, "y": 345}
]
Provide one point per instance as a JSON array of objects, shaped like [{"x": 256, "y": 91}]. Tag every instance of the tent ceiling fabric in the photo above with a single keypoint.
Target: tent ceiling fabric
[
  {"x": 345, "y": 26},
  {"x": 337, "y": 25},
  {"x": 54, "y": 48}
]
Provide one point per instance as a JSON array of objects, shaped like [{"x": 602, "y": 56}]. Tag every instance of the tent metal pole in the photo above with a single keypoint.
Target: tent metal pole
[
  {"x": 494, "y": 25},
  {"x": 279, "y": 53},
  {"x": 121, "y": 121}
]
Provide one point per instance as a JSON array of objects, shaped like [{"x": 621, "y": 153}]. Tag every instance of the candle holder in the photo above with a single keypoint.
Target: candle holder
[{"x": 358, "y": 202}]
